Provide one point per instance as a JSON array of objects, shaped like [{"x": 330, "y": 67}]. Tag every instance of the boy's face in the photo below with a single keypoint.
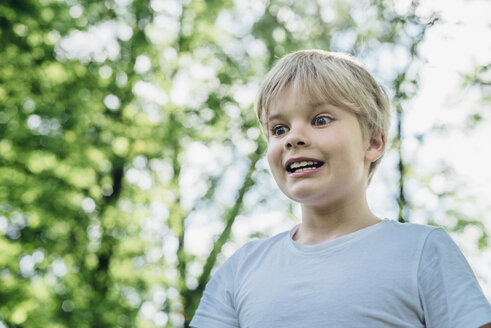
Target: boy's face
[{"x": 317, "y": 152}]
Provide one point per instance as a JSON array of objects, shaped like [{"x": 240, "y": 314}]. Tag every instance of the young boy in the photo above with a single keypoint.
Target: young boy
[{"x": 326, "y": 121}]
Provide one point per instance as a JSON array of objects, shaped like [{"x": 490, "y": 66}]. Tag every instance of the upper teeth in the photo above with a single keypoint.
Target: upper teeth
[{"x": 300, "y": 164}]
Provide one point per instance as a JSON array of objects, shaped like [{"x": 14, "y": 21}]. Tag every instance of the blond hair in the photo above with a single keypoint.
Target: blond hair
[{"x": 330, "y": 77}]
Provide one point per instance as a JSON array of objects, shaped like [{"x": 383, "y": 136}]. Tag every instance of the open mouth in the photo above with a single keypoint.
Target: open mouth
[{"x": 300, "y": 166}]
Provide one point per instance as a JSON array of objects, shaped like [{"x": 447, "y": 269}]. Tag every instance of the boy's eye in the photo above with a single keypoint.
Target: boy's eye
[
  {"x": 322, "y": 120},
  {"x": 279, "y": 130}
]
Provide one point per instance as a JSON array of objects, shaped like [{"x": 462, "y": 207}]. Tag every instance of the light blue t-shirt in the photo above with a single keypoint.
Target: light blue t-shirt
[{"x": 386, "y": 275}]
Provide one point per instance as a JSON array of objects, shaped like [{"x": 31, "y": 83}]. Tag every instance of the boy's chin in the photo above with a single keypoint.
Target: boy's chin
[
  {"x": 304, "y": 197},
  {"x": 313, "y": 198}
]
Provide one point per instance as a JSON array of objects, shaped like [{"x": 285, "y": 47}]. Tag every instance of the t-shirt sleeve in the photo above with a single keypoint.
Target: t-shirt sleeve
[
  {"x": 450, "y": 293},
  {"x": 217, "y": 305}
]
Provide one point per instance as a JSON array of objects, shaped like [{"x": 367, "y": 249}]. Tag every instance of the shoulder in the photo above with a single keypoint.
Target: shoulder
[
  {"x": 258, "y": 247},
  {"x": 254, "y": 253},
  {"x": 261, "y": 244},
  {"x": 412, "y": 228},
  {"x": 407, "y": 235},
  {"x": 449, "y": 291},
  {"x": 411, "y": 232},
  {"x": 431, "y": 239}
]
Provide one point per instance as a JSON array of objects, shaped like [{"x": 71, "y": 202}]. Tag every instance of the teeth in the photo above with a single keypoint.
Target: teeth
[
  {"x": 302, "y": 163},
  {"x": 305, "y": 169}
]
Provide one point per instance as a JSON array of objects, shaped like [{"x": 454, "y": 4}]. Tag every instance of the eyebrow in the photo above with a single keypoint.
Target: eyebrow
[
  {"x": 320, "y": 104},
  {"x": 272, "y": 117},
  {"x": 313, "y": 106}
]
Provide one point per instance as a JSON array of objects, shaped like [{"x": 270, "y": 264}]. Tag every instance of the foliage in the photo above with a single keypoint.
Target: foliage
[{"x": 127, "y": 131}]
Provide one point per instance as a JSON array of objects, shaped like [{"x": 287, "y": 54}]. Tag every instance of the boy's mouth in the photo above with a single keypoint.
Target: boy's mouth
[{"x": 293, "y": 166}]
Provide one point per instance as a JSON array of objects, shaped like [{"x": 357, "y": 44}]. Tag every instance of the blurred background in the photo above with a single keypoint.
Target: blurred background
[{"x": 131, "y": 162}]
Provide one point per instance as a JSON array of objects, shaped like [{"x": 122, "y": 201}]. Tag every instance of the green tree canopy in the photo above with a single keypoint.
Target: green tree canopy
[{"x": 127, "y": 131}]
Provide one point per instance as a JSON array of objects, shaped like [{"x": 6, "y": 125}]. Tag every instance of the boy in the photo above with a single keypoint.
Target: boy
[{"x": 326, "y": 121}]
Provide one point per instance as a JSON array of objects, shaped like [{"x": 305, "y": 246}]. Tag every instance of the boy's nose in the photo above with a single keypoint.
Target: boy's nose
[
  {"x": 296, "y": 140},
  {"x": 298, "y": 143}
]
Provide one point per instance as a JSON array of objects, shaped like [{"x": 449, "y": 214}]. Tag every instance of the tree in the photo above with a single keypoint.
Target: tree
[{"x": 127, "y": 129}]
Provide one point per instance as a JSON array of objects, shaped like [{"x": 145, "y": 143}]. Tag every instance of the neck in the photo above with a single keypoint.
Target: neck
[{"x": 323, "y": 224}]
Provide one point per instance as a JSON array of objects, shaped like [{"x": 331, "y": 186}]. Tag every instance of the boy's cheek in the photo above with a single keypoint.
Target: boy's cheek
[
  {"x": 272, "y": 162},
  {"x": 271, "y": 152},
  {"x": 269, "y": 158}
]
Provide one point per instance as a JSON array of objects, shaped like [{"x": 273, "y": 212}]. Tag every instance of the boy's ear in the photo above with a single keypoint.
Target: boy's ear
[{"x": 375, "y": 148}]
